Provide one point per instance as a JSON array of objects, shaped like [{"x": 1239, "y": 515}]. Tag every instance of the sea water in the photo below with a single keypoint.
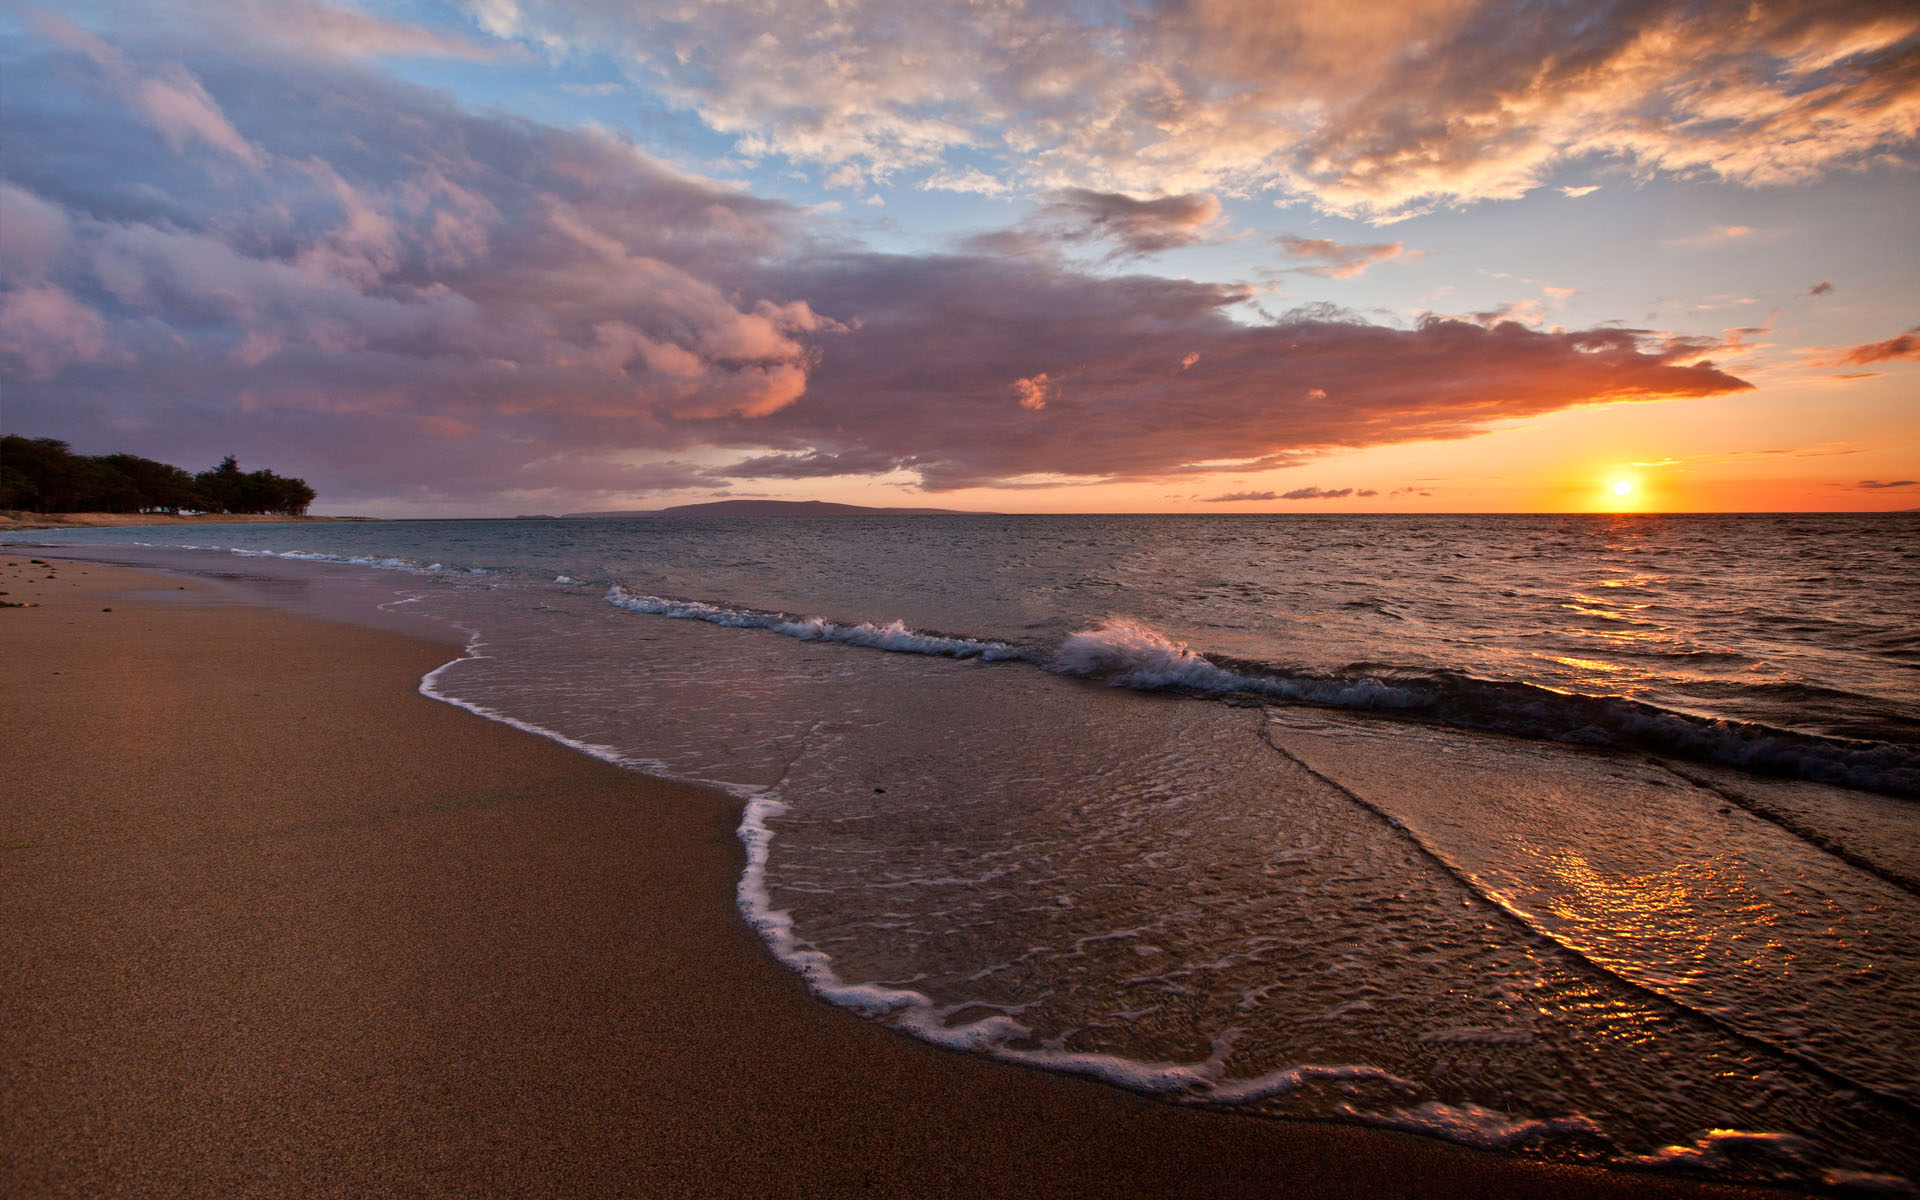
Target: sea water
[{"x": 1586, "y": 838}]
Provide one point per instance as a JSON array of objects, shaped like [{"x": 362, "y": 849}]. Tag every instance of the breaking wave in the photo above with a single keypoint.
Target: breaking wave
[
  {"x": 894, "y": 636},
  {"x": 1124, "y": 652},
  {"x": 1128, "y": 653}
]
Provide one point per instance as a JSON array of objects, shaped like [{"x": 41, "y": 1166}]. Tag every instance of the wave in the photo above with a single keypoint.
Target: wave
[
  {"x": 1124, "y": 652},
  {"x": 894, "y": 636},
  {"x": 352, "y": 560},
  {"x": 1002, "y": 1036},
  {"x": 1129, "y": 653}
]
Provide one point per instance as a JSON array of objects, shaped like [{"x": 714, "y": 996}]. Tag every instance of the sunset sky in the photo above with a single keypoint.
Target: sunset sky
[{"x": 509, "y": 256}]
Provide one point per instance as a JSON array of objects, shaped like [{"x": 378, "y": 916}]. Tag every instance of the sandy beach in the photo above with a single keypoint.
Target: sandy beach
[{"x": 278, "y": 925}]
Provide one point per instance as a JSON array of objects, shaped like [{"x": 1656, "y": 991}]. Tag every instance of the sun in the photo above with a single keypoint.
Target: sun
[{"x": 1623, "y": 487}]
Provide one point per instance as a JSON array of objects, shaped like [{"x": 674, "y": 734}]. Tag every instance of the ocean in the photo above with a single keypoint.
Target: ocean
[{"x": 1588, "y": 838}]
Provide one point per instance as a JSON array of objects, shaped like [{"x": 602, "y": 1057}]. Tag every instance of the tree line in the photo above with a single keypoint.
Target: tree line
[{"x": 45, "y": 475}]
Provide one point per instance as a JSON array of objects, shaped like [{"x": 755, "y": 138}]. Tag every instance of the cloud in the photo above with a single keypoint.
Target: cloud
[
  {"x": 43, "y": 330},
  {"x": 1721, "y": 235},
  {"x": 1035, "y": 392},
  {"x": 965, "y": 180},
  {"x": 168, "y": 97},
  {"x": 1375, "y": 110},
  {"x": 1906, "y": 345},
  {"x": 1574, "y": 193},
  {"x": 1525, "y": 312},
  {"x": 1314, "y": 493},
  {"x": 901, "y": 381},
  {"x": 1823, "y": 288},
  {"x": 418, "y": 305},
  {"x": 1892, "y": 483},
  {"x": 315, "y": 27},
  {"x": 1331, "y": 260},
  {"x": 1135, "y": 226},
  {"x": 1305, "y": 493}
]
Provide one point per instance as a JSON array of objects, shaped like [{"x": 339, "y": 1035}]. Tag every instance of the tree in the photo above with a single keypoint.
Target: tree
[
  {"x": 226, "y": 489},
  {"x": 45, "y": 475},
  {"x": 221, "y": 489},
  {"x": 158, "y": 486}
]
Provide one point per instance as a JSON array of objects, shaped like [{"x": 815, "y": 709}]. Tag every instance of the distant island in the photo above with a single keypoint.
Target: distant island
[{"x": 777, "y": 508}]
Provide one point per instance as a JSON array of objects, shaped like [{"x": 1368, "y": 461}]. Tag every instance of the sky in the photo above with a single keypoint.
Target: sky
[{"x": 494, "y": 257}]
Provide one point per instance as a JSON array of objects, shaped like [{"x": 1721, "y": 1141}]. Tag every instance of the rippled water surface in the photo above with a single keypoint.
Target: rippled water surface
[{"x": 1579, "y": 837}]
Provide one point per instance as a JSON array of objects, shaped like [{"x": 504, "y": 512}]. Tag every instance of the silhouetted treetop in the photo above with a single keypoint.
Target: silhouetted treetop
[{"x": 45, "y": 475}]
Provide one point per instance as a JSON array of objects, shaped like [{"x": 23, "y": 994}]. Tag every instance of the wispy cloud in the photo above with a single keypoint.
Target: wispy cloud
[
  {"x": 1304, "y": 493},
  {"x": 1315, "y": 493},
  {"x": 963, "y": 179},
  {"x": 1378, "y": 110},
  {"x": 1133, "y": 225},
  {"x": 1876, "y": 484},
  {"x": 1906, "y": 345},
  {"x": 1331, "y": 260},
  {"x": 166, "y": 96},
  {"x": 1723, "y": 235}
]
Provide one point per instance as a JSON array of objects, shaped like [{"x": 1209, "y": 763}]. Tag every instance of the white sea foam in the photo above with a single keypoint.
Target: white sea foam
[
  {"x": 894, "y": 636},
  {"x": 996, "y": 1035},
  {"x": 1711, "y": 1149},
  {"x": 1471, "y": 1125},
  {"x": 352, "y": 560},
  {"x": 1868, "y": 1183},
  {"x": 430, "y": 687},
  {"x": 1125, "y": 652},
  {"x": 1292, "y": 1079}
]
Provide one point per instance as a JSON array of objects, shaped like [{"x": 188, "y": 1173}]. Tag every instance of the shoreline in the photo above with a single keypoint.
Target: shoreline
[
  {"x": 21, "y": 521},
  {"x": 283, "y": 929}
]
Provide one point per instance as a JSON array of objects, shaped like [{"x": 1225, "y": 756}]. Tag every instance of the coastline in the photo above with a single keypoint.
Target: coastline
[
  {"x": 280, "y": 927},
  {"x": 12, "y": 521}
]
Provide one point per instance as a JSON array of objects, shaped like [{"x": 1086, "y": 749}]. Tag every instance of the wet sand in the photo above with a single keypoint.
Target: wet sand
[{"x": 277, "y": 925}]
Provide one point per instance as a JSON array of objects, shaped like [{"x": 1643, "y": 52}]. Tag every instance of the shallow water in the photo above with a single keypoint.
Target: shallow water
[{"x": 1585, "y": 838}]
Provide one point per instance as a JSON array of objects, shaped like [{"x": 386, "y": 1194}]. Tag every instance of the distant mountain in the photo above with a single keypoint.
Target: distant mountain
[{"x": 776, "y": 508}]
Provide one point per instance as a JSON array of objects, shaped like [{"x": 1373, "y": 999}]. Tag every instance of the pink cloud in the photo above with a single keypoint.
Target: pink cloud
[
  {"x": 1906, "y": 345},
  {"x": 1134, "y": 225},
  {"x": 1331, "y": 260},
  {"x": 169, "y": 98},
  {"x": 43, "y": 330}
]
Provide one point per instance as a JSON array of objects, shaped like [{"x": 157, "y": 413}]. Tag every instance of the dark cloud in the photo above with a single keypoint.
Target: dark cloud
[
  {"x": 1907, "y": 345},
  {"x": 1132, "y": 225},
  {"x": 1892, "y": 483},
  {"x": 356, "y": 282},
  {"x": 1823, "y": 288},
  {"x": 1314, "y": 493},
  {"x": 1149, "y": 376},
  {"x": 1330, "y": 260},
  {"x": 1239, "y": 497}
]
